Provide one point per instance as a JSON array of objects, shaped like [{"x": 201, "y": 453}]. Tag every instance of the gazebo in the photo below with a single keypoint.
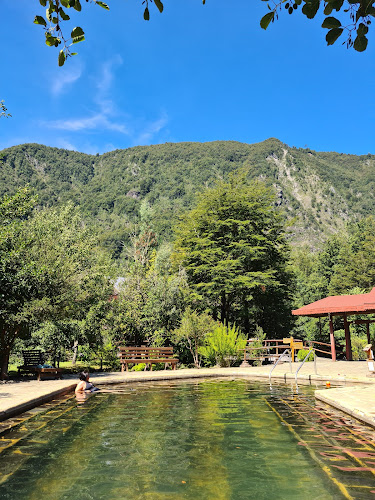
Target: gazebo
[{"x": 342, "y": 305}]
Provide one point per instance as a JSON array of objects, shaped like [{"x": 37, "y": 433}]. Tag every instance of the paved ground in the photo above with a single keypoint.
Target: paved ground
[{"x": 356, "y": 397}]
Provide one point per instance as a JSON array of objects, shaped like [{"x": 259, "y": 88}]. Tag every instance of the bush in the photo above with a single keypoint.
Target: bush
[
  {"x": 302, "y": 353},
  {"x": 358, "y": 343},
  {"x": 138, "y": 367},
  {"x": 223, "y": 345},
  {"x": 258, "y": 341},
  {"x": 192, "y": 333}
]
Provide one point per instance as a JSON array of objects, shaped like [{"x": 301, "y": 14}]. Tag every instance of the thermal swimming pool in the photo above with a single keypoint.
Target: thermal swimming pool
[{"x": 215, "y": 439}]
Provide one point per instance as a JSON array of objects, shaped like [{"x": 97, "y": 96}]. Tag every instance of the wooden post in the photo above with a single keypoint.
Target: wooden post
[
  {"x": 348, "y": 343},
  {"x": 368, "y": 332},
  {"x": 332, "y": 338}
]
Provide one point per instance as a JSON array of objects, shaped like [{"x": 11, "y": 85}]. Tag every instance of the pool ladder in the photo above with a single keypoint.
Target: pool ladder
[
  {"x": 288, "y": 352},
  {"x": 305, "y": 359},
  {"x": 284, "y": 354}
]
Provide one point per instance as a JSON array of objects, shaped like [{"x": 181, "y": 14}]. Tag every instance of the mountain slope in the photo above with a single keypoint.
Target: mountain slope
[{"x": 152, "y": 184}]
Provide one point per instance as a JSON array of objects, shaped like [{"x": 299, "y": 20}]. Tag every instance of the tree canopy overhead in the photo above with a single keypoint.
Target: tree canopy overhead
[{"x": 355, "y": 23}]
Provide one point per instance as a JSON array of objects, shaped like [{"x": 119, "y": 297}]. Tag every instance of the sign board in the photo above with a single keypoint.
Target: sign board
[{"x": 298, "y": 345}]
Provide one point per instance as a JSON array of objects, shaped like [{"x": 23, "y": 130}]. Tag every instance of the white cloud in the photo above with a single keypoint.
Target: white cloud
[
  {"x": 64, "y": 78},
  {"x": 152, "y": 129},
  {"x": 62, "y": 143},
  {"x": 107, "y": 74},
  {"x": 106, "y": 115},
  {"x": 97, "y": 121}
]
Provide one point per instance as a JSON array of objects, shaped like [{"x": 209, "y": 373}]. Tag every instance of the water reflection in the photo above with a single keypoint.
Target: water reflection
[{"x": 201, "y": 440}]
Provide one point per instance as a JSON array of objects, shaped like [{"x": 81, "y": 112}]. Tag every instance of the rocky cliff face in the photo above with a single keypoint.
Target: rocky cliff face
[{"x": 312, "y": 203}]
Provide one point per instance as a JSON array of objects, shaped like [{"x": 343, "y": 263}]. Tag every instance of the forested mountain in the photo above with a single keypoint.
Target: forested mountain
[{"x": 153, "y": 184}]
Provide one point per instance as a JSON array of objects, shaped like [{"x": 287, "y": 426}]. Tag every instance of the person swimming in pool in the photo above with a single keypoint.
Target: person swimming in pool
[{"x": 84, "y": 385}]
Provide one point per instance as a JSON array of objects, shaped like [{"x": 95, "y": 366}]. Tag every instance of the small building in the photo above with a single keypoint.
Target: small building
[{"x": 342, "y": 305}]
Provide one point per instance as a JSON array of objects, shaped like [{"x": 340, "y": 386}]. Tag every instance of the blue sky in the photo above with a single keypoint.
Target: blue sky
[{"x": 193, "y": 73}]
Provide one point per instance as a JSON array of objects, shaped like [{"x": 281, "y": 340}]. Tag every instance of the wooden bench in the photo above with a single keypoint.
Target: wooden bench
[
  {"x": 32, "y": 360},
  {"x": 147, "y": 355}
]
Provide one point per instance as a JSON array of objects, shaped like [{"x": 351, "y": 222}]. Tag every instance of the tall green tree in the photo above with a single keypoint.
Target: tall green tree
[
  {"x": 233, "y": 248},
  {"x": 355, "y": 262},
  {"x": 50, "y": 268},
  {"x": 151, "y": 297}
]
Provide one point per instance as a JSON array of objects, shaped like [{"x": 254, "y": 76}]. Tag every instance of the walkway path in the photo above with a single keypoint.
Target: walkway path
[{"x": 357, "y": 397}]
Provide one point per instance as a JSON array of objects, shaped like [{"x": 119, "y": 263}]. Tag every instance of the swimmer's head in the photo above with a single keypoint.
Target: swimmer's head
[{"x": 84, "y": 375}]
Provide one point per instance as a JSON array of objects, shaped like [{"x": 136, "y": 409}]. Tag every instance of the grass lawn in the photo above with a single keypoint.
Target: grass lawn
[{"x": 67, "y": 367}]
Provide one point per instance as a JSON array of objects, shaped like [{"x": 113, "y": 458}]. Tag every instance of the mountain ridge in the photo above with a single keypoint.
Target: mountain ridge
[{"x": 319, "y": 191}]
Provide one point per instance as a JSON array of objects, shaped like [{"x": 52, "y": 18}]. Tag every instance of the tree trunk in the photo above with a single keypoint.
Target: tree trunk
[
  {"x": 223, "y": 307},
  {"x": 4, "y": 361},
  {"x": 6, "y": 342},
  {"x": 75, "y": 352}
]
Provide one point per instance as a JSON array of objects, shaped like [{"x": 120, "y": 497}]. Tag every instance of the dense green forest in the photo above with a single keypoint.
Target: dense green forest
[
  {"x": 319, "y": 192},
  {"x": 211, "y": 242}
]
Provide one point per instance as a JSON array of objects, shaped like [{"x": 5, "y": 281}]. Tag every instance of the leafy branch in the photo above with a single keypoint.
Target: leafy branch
[
  {"x": 51, "y": 23},
  {"x": 358, "y": 13},
  {"x": 3, "y": 111},
  {"x": 55, "y": 16}
]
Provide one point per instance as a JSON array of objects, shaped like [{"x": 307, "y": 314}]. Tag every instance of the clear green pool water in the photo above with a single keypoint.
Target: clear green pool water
[{"x": 214, "y": 440}]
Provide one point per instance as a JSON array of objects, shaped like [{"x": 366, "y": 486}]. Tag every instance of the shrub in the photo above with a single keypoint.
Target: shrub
[
  {"x": 223, "y": 345},
  {"x": 302, "y": 353},
  {"x": 138, "y": 367},
  {"x": 257, "y": 341},
  {"x": 192, "y": 333},
  {"x": 358, "y": 343}
]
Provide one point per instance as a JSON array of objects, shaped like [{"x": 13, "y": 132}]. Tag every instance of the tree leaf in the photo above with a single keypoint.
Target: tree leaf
[
  {"x": 146, "y": 14},
  {"x": 331, "y": 22},
  {"x": 265, "y": 21},
  {"x": 159, "y": 5},
  {"x": 311, "y": 8},
  {"x": 40, "y": 20},
  {"x": 77, "y": 5},
  {"x": 43, "y": 2},
  {"x": 333, "y": 35},
  {"x": 62, "y": 58},
  {"x": 52, "y": 41},
  {"x": 77, "y": 34},
  {"x": 102, "y": 4},
  {"x": 337, "y": 4},
  {"x": 48, "y": 14},
  {"x": 362, "y": 30},
  {"x": 64, "y": 15},
  {"x": 328, "y": 9},
  {"x": 360, "y": 43}
]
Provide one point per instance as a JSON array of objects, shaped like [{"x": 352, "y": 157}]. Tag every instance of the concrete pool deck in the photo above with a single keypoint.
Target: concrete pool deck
[{"x": 356, "y": 397}]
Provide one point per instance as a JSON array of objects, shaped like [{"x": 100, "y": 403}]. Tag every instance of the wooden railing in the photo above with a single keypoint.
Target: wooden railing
[
  {"x": 270, "y": 350},
  {"x": 325, "y": 348}
]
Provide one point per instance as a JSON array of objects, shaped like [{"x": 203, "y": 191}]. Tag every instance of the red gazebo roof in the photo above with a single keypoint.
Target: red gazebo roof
[{"x": 339, "y": 304}]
